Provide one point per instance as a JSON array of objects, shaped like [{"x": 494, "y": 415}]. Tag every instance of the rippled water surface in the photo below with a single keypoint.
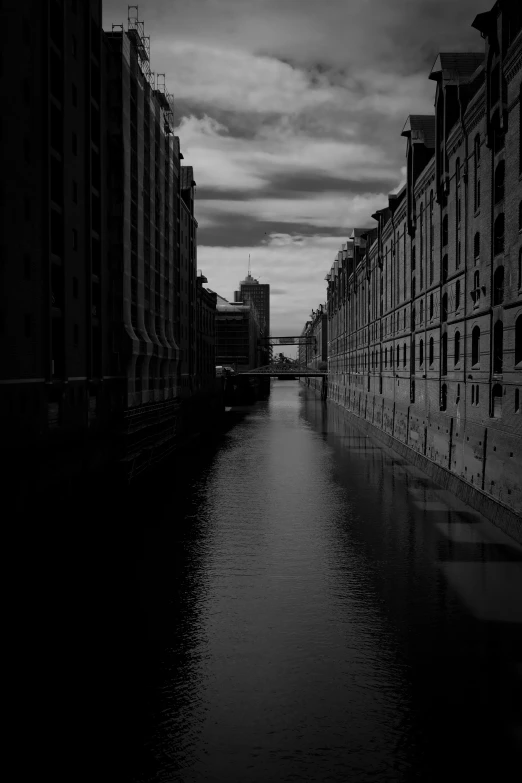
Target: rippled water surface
[{"x": 319, "y": 610}]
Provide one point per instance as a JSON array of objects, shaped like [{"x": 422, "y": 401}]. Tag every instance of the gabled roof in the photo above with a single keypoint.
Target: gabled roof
[
  {"x": 420, "y": 127},
  {"x": 456, "y": 65}
]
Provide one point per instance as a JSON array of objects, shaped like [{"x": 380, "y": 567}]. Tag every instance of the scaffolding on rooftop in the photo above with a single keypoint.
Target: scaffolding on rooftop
[
  {"x": 166, "y": 101},
  {"x": 136, "y": 32}
]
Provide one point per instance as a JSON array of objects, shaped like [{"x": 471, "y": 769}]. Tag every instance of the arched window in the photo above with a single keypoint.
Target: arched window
[
  {"x": 457, "y": 348},
  {"x": 496, "y": 401},
  {"x": 444, "y": 267},
  {"x": 431, "y": 351},
  {"x": 445, "y": 231},
  {"x": 476, "y": 247},
  {"x": 498, "y": 285},
  {"x": 413, "y": 288},
  {"x": 517, "y": 401},
  {"x": 518, "y": 340},
  {"x": 457, "y": 295},
  {"x": 475, "y": 346},
  {"x": 398, "y": 356},
  {"x": 444, "y": 347},
  {"x": 421, "y": 353},
  {"x": 444, "y": 314},
  {"x": 499, "y": 182},
  {"x": 499, "y": 234},
  {"x": 443, "y": 397},
  {"x": 404, "y": 355},
  {"x": 498, "y": 347},
  {"x": 386, "y": 357}
]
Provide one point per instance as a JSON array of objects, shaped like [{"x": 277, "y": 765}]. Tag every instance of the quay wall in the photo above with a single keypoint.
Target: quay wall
[{"x": 479, "y": 464}]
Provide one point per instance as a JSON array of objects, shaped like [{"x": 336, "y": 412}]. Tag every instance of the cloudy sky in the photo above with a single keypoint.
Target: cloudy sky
[{"x": 290, "y": 112}]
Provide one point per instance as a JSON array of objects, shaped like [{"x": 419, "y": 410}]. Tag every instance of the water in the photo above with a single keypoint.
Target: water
[{"x": 318, "y": 610}]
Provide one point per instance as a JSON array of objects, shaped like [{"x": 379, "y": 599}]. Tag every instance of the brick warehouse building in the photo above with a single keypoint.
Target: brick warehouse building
[
  {"x": 313, "y": 345},
  {"x": 425, "y": 309},
  {"x": 54, "y": 310},
  {"x": 98, "y": 255}
]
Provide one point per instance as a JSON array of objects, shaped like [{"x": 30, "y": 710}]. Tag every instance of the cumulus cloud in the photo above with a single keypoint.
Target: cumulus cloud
[{"x": 290, "y": 112}]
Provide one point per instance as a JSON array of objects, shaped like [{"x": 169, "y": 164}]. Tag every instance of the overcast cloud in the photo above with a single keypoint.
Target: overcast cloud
[{"x": 290, "y": 112}]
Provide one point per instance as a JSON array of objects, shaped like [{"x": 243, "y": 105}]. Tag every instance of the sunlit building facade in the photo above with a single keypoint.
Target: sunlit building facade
[{"x": 425, "y": 308}]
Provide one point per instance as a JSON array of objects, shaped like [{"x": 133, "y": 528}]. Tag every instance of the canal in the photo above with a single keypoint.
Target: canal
[{"x": 319, "y": 610}]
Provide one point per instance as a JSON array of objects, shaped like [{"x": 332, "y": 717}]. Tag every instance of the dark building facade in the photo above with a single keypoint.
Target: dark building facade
[
  {"x": 237, "y": 335},
  {"x": 58, "y": 377},
  {"x": 425, "y": 309},
  {"x": 206, "y": 301},
  {"x": 98, "y": 322}
]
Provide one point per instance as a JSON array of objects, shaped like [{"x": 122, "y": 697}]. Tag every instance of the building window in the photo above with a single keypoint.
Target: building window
[
  {"x": 413, "y": 288},
  {"x": 444, "y": 350},
  {"x": 445, "y": 231},
  {"x": 457, "y": 348},
  {"x": 517, "y": 401},
  {"x": 398, "y": 356},
  {"x": 518, "y": 340},
  {"x": 457, "y": 295},
  {"x": 498, "y": 285},
  {"x": 457, "y": 398},
  {"x": 404, "y": 355},
  {"x": 476, "y": 172},
  {"x": 499, "y": 182},
  {"x": 421, "y": 353},
  {"x": 444, "y": 268},
  {"x": 475, "y": 347},
  {"x": 496, "y": 406},
  {"x": 498, "y": 232},
  {"x": 498, "y": 347},
  {"x": 431, "y": 356},
  {"x": 443, "y": 397}
]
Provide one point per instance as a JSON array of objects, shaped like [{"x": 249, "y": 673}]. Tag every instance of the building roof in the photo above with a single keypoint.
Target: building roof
[
  {"x": 187, "y": 177},
  {"x": 457, "y": 64},
  {"x": 421, "y": 127}
]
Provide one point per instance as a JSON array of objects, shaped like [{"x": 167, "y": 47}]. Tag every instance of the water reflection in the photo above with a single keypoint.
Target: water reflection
[{"x": 308, "y": 630}]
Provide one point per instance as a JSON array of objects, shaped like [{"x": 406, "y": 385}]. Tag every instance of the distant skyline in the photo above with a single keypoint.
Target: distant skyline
[{"x": 290, "y": 112}]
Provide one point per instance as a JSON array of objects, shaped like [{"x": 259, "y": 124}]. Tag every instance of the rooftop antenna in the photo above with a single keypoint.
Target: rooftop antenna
[{"x": 249, "y": 264}]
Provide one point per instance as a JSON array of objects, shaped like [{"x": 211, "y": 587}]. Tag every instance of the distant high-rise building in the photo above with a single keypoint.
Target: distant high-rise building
[{"x": 251, "y": 290}]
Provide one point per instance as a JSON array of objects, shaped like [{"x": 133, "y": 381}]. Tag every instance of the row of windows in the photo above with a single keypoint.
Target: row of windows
[{"x": 498, "y": 350}]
